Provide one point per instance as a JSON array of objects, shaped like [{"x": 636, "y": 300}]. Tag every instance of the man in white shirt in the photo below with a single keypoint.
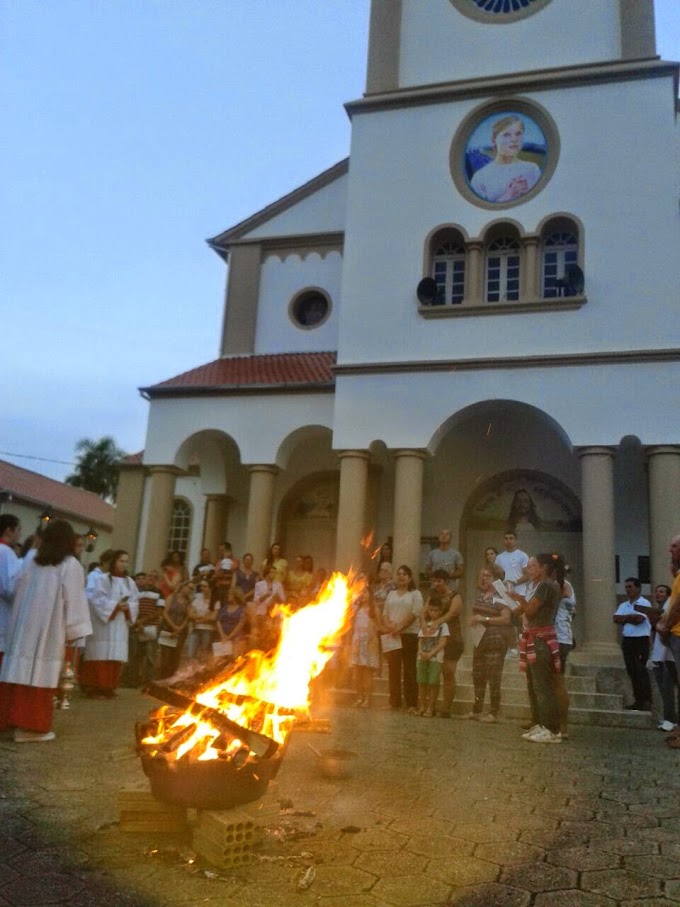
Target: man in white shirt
[
  {"x": 10, "y": 568},
  {"x": 513, "y": 562},
  {"x": 633, "y": 618}
]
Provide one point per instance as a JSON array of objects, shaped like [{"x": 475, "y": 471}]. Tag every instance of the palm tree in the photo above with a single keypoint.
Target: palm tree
[{"x": 97, "y": 464}]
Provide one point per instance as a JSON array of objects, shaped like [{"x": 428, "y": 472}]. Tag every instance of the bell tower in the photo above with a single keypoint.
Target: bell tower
[{"x": 414, "y": 43}]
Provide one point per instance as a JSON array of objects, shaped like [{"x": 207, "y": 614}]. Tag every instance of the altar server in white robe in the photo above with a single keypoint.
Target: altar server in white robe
[
  {"x": 10, "y": 568},
  {"x": 49, "y": 610},
  {"x": 114, "y": 605}
]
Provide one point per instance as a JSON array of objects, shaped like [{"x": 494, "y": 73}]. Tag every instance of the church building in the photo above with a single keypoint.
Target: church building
[{"x": 471, "y": 322}]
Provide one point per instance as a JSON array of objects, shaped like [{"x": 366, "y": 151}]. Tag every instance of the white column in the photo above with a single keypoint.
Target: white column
[
  {"x": 260, "y": 506},
  {"x": 159, "y": 513},
  {"x": 351, "y": 509},
  {"x": 599, "y": 575},
  {"x": 215, "y": 521},
  {"x": 664, "y": 508},
  {"x": 408, "y": 500}
]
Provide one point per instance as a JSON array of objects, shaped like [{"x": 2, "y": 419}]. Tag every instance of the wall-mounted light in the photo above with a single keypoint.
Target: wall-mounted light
[
  {"x": 90, "y": 538},
  {"x": 45, "y": 517}
]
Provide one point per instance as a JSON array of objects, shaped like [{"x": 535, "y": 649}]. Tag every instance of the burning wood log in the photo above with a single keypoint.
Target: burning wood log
[{"x": 258, "y": 743}]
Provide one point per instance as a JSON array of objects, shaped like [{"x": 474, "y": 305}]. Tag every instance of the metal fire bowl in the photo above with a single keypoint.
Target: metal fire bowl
[
  {"x": 209, "y": 785},
  {"x": 215, "y": 784}
]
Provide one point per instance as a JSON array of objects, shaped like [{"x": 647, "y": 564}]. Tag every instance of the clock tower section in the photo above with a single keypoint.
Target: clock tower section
[{"x": 415, "y": 43}]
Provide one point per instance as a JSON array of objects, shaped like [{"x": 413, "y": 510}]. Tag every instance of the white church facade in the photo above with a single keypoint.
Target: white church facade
[{"x": 471, "y": 322}]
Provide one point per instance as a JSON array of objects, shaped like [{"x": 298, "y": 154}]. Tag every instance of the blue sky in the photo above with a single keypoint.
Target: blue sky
[{"x": 137, "y": 128}]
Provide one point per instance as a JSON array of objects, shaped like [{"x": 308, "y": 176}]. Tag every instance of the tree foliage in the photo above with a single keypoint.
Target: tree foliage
[{"x": 97, "y": 467}]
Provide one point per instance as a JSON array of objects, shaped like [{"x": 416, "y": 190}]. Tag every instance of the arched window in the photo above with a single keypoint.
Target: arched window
[
  {"x": 502, "y": 269},
  {"x": 559, "y": 249},
  {"x": 180, "y": 526},
  {"x": 448, "y": 267}
]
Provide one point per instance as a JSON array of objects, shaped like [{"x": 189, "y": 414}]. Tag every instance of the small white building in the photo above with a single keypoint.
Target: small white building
[{"x": 471, "y": 322}]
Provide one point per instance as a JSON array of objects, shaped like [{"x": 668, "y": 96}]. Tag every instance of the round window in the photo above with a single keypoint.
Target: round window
[
  {"x": 498, "y": 10},
  {"x": 310, "y": 308}
]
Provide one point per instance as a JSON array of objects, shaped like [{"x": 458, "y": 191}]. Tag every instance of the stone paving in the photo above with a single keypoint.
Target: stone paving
[{"x": 435, "y": 813}]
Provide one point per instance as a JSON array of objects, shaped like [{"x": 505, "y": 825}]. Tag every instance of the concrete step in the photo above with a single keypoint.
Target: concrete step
[
  {"x": 519, "y": 711},
  {"x": 518, "y": 696},
  {"x": 513, "y": 680}
]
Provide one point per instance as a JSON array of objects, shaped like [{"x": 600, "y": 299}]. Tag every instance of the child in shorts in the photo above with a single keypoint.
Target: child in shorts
[{"x": 431, "y": 644}]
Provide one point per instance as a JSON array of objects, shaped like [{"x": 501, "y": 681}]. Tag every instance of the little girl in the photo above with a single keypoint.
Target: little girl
[{"x": 365, "y": 649}]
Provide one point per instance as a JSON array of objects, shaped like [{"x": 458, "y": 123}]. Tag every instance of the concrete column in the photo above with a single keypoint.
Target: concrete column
[
  {"x": 351, "y": 509},
  {"x": 260, "y": 505},
  {"x": 128, "y": 509},
  {"x": 664, "y": 512},
  {"x": 529, "y": 284},
  {"x": 599, "y": 575},
  {"x": 215, "y": 521},
  {"x": 159, "y": 514},
  {"x": 474, "y": 272},
  {"x": 408, "y": 500}
]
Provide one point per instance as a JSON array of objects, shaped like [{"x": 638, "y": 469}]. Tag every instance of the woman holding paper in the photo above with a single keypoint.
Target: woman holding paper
[
  {"x": 400, "y": 626},
  {"x": 490, "y": 623}
]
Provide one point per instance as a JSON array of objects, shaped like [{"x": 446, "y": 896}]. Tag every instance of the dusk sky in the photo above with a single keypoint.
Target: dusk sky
[{"x": 134, "y": 130}]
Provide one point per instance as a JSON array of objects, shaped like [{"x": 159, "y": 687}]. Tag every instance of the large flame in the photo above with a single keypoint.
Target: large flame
[{"x": 267, "y": 691}]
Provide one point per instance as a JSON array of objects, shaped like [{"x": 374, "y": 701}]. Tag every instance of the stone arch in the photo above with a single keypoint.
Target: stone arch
[
  {"x": 299, "y": 437},
  {"x": 488, "y": 408},
  {"x": 214, "y": 454}
]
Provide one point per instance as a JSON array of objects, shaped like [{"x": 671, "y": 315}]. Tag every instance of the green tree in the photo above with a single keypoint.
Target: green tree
[{"x": 97, "y": 466}]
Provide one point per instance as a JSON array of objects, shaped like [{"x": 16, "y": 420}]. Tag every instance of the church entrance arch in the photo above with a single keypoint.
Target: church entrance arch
[
  {"x": 308, "y": 518},
  {"x": 543, "y": 511}
]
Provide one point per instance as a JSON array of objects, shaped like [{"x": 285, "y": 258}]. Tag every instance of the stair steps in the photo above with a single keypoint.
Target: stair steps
[{"x": 595, "y": 699}]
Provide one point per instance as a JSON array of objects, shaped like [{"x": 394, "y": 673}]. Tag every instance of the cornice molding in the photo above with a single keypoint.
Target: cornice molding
[
  {"x": 465, "y": 310},
  {"x": 222, "y": 241},
  {"x": 557, "y": 360},
  {"x": 508, "y": 85},
  {"x": 237, "y": 390}
]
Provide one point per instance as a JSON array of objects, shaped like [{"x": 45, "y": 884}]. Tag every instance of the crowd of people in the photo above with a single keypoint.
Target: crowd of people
[
  {"x": 522, "y": 606},
  {"x": 153, "y": 622}
]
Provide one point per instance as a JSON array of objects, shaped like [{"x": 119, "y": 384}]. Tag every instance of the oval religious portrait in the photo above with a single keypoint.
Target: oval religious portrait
[{"x": 504, "y": 154}]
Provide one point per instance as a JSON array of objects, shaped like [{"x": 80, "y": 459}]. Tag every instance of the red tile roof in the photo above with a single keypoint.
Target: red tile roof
[
  {"x": 33, "y": 488},
  {"x": 280, "y": 371}
]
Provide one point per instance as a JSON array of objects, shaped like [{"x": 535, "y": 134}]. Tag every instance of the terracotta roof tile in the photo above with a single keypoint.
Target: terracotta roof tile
[
  {"x": 34, "y": 488},
  {"x": 278, "y": 371}
]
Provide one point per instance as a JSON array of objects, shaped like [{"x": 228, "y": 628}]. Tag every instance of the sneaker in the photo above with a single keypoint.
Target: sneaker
[
  {"x": 545, "y": 736},
  {"x": 489, "y": 719},
  {"x": 666, "y": 726},
  {"x": 512, "y": 653},
  {"x": 532, "y": 730},
  {"x": 21, "y": 736}
]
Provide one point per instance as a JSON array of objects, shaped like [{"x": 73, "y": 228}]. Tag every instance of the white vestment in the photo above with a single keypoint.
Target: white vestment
[
  {"x": 109, "y": 639},
  {"x": 10, "y": 568},
  {"x": 49, "y": 609}
]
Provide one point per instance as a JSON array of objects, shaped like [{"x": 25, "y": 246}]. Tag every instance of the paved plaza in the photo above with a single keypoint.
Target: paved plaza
[{"x": 435, "y": 812}]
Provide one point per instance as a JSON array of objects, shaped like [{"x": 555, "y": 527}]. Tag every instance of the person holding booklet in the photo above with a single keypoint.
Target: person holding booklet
[
  {"x": 114, "y": 606},
  {"x": 490, "y": 628},
  {"x": 400, "y": 626}
]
